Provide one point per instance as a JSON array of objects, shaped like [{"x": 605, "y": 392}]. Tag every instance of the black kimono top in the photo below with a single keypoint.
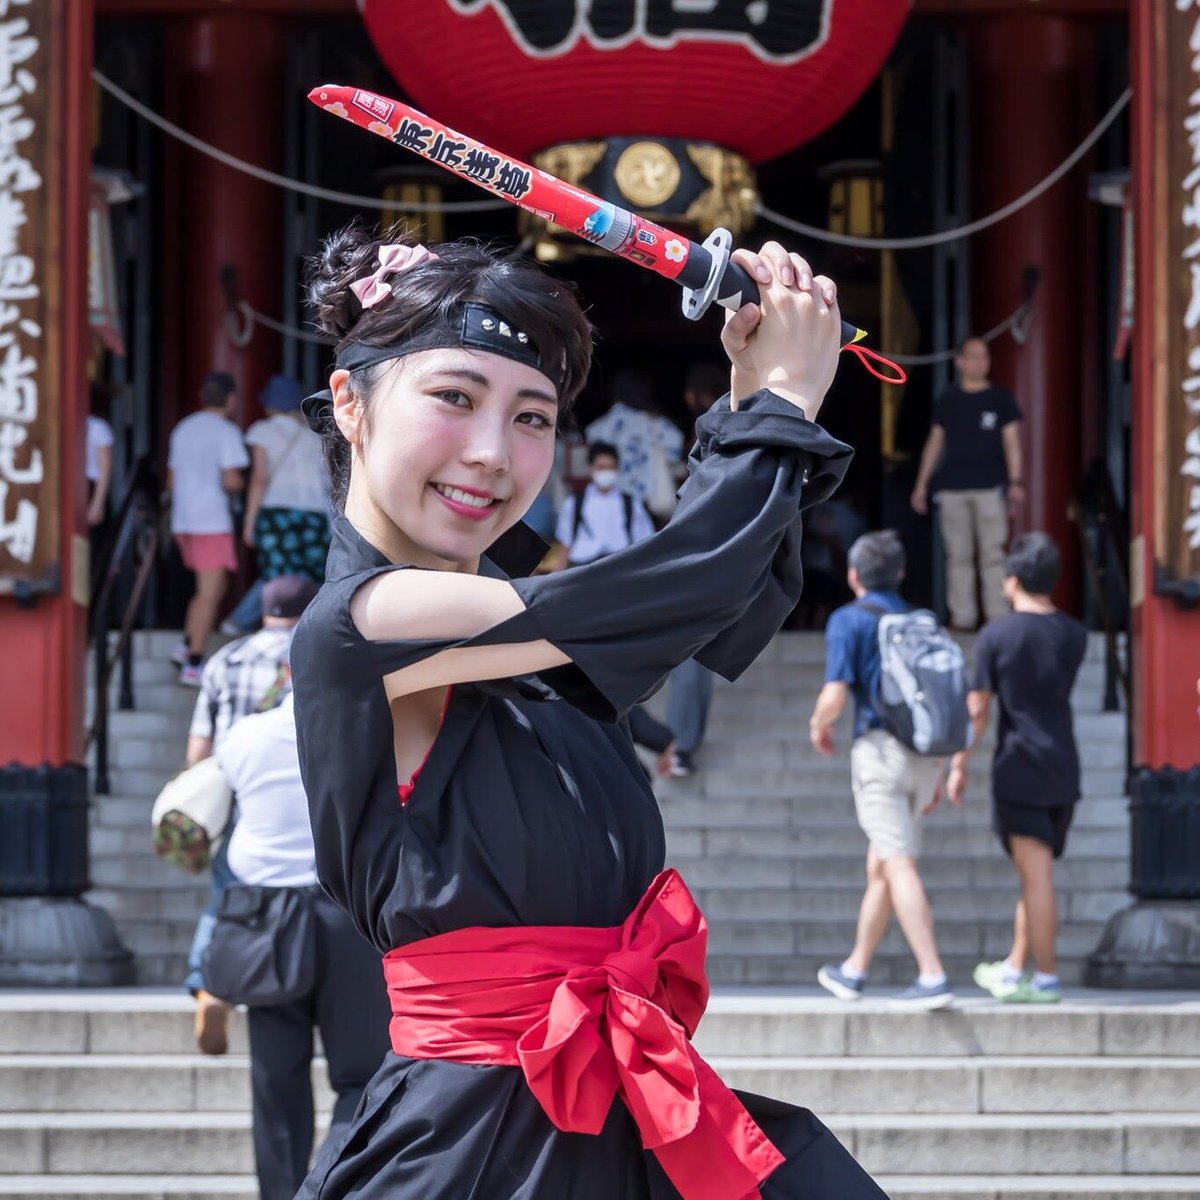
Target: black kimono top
[{"x": 531, "y": 808}]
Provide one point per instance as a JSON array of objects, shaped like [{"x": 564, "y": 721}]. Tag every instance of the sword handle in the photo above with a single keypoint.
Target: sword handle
[
  {"x": 737, "y": 288},
  {"x": 727, "y": 283}
]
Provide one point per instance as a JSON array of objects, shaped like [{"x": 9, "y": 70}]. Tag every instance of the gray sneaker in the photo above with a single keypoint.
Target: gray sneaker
[
  {"x": 836, "y": 981},
  {"x": 924, "y": 999}
]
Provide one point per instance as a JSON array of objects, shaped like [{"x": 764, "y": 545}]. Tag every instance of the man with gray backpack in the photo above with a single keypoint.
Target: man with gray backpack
[{"x": 907, "y": 677}]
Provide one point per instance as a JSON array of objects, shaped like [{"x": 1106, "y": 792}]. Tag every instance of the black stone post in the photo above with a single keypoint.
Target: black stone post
[
  {"x": 48, "y": 936},
  {"x": 1155, "y": 943}
]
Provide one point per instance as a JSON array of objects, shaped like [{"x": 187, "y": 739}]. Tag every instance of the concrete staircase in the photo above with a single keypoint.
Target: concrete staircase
[
  {"x": 764, "y": 833},
  {"x": 101, "y": 1094}
]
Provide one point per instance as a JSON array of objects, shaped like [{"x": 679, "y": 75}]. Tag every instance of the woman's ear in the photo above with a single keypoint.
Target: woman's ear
[{"x": 347, "y": 412}]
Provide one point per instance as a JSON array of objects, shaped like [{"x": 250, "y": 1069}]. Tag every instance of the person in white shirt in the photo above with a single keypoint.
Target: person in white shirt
[
  {"x": 272, "y": 847},
  {"x": 205, "y": 465},
  {"x": 649, "y": 445},
  {"x": 98, "y": 457},
  {"x": 604, "y": 519},
  {"x": 287, "y": 503}
]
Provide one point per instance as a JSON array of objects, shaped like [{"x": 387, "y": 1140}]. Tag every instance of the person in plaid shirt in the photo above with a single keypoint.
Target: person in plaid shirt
[{"x": 248, "y": 675}]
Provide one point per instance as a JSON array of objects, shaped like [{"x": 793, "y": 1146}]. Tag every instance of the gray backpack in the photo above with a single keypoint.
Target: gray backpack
[{"x": 922, "y": 695}]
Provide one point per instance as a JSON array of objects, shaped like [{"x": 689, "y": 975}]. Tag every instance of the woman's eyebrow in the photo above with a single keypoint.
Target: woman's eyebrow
[{"x": 525, "y": 393}]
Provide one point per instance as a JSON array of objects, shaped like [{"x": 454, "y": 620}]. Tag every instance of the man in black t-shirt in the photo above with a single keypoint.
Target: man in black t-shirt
[
  {"x": 1028, "y": 660},
  {"x": 974, "y": 446}
]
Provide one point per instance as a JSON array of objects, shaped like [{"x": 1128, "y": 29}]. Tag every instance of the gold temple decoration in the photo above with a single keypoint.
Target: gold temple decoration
[{"x": 647, "y": 174}]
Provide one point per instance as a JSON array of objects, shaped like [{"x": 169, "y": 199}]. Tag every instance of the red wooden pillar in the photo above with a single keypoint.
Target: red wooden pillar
[
  {"x": 225, "y": 85},
  {"x": 1025, "y": 80}
]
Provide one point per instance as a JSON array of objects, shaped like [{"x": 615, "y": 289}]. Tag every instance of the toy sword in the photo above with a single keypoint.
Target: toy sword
[{"x": 704, "y": 271}]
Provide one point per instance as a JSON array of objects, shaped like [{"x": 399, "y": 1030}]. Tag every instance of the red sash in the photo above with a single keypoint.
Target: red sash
[{"x": 589, "y": 1015}]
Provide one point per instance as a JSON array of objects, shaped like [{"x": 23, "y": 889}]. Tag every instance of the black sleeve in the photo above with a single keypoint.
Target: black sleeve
[
  {"x": 937, "y": 414},
  {"x": 1009, "y": 412},
  {"x": 647, "y": 731},
  {"x": 985, "y": 662},
  {"x": 715, "y": 584}
]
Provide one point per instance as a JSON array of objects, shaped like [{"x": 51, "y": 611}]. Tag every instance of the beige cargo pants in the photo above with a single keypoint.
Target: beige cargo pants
[{"x": 974, "y": 520}]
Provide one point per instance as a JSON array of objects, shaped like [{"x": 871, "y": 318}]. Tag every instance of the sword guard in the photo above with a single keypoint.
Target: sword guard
[{"x": 696, "y": 301}]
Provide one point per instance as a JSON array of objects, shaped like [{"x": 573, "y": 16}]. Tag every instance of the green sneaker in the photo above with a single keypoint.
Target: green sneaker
[
  {"x": 1026, "y": 993},
  {"x": 992, "y": 978}
]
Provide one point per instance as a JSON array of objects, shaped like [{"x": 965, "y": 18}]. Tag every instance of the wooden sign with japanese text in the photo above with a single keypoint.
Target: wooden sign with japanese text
[
  {"x": 1177, "y": 170},
  {"x": 31, "y": 120}
]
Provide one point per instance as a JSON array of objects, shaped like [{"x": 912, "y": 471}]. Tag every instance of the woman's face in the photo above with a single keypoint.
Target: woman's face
[{"x": 455, "y": 446}]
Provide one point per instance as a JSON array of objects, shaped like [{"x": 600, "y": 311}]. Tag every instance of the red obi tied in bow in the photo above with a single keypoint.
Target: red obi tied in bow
[{"x": 589, "y": 1015}]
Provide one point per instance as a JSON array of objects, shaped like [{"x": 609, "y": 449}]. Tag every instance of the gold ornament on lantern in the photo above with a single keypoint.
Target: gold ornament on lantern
[{"x": 647, "y": 174}]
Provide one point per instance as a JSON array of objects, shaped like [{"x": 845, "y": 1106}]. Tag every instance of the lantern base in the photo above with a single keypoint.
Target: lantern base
[
  {"x": 690, "y": 186},
  {"x": 1152, "y": 945}
]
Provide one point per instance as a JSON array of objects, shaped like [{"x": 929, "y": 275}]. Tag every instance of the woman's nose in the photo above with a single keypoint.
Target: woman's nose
[{"x": 487, "y": 445}]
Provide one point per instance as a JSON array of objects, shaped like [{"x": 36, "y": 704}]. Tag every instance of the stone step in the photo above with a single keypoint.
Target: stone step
[
  {"x": 682, "y": 809},
  {"x": 129, "y": 1187},
  {"x": 898, "y": 1187},
  {"x": 106, "y": 1083},
  {"x": 841, "y": 902},
  {"x": 957, "y": 936},
  {"x": 740, "y": 1023},
  {"x": 1039, "y": 1187},
  {"x": 892, "y": 969},
  {"x": 1122, "y": 1143},
  {"x": 937, "y": 870},
  {"x": 926, "y": 1144},
  {"x": 798, "y": 842},
  {"x": 750, "y": 1023},
  {"x": 718, "y": 781}
]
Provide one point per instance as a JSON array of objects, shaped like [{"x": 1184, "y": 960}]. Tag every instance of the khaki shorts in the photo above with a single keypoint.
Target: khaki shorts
[{"x": 891, "y": 786}]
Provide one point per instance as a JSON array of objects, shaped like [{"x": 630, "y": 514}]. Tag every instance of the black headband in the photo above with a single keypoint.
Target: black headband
[{"x": 472, "y": 325}]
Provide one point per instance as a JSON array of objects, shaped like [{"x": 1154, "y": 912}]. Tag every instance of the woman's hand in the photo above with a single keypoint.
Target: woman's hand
[
  {"x": 790, "y": 341},
  {"x": 248, "y": 534}
]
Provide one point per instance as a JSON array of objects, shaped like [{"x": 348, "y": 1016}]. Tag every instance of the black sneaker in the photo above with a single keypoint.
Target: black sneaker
[{"x": 681, "y": 765}]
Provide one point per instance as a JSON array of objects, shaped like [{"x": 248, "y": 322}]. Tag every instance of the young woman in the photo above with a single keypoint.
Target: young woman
[{"x": 476, "y": 802}]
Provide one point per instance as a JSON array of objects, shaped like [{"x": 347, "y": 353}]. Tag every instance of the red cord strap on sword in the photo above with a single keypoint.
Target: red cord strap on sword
[{"x": 704, "y": 271}]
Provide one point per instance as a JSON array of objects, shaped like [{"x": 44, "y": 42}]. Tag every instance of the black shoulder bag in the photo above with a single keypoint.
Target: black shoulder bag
[{"x": 263, "y": 948}]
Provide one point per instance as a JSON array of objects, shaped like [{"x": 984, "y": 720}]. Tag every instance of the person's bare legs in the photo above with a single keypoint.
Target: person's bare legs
[
  {"x": 1035, "y": 865},
  {"x": 913, "y": 912},
  {"x": 203, "y": 607},
  {"x": 1020, "y": 945},
  {"x": 874, "y": 915}
]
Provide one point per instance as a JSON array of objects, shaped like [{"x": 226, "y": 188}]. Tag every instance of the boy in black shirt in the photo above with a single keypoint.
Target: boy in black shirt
[
  {"x": 1028, "y": 659},
  {"x": 974, "y": 446}
]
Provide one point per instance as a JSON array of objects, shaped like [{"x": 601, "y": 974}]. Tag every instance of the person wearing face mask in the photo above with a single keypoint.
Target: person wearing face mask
[{"x": 604, "y": 519}]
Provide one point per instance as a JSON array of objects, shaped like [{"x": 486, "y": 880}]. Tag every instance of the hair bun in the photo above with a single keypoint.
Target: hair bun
[{"x": 345, "y": 257}]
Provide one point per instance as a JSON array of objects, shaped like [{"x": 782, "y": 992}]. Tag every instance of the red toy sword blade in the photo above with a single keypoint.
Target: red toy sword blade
[{"x": 703, "y": 270}]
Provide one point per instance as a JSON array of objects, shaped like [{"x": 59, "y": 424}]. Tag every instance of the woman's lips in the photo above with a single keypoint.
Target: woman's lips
[{"x": 464, "y": 507}]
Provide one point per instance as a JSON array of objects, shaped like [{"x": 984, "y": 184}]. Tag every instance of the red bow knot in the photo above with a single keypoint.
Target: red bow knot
[{"x": 616, "y": 1019}]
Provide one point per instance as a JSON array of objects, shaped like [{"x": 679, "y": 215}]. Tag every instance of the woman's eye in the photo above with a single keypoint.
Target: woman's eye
[
  {"x": 536, "y": 419},
  {"x": 456, "y": 397}
]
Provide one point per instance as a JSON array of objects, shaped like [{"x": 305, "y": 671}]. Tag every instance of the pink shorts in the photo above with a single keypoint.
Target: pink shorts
[{"x": 207, "y": 551}]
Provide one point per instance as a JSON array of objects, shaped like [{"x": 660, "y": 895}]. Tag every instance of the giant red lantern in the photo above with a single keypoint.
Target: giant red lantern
[{"x": 756, "y": 76}]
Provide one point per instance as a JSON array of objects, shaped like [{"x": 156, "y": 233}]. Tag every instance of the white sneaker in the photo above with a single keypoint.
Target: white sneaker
[
  {"x": 180, "y": 654},
  {"x": 229, "y": 629}
]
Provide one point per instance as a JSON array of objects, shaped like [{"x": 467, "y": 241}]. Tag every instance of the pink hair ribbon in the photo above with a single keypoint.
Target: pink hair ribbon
[{"x": 393, "y": 259}]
